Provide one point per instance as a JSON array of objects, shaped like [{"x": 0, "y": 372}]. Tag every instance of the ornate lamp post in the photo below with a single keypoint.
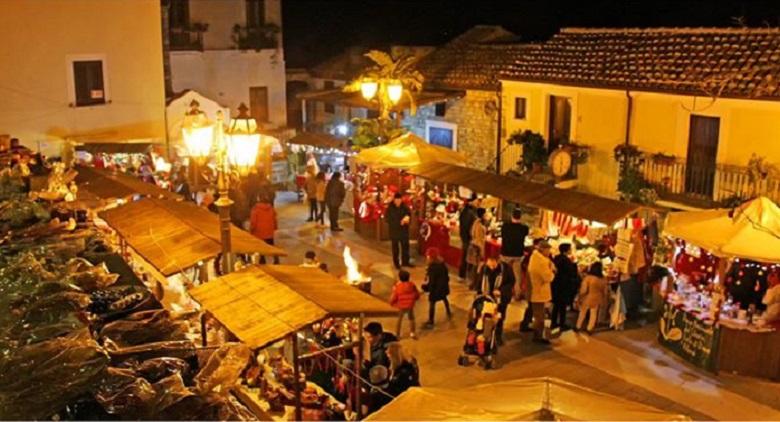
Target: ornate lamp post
[
  {"x": 387, "y": 91},
  {"x": 235, "y": 149}
]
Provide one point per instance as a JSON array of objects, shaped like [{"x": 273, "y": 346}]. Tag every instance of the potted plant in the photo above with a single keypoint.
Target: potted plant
[
  {"x": 534, "y": 151},
  {"x": 199, "y": 26},
  {"x": 664, "y": 159}
]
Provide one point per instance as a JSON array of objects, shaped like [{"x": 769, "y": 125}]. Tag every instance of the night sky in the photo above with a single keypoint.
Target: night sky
[{"x": 317, "y": 29}]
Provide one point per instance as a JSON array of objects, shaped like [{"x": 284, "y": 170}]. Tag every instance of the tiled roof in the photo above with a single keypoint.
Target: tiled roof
[
  {"x": 468, "y": 61},
  {"x": 729, "y": 62}
]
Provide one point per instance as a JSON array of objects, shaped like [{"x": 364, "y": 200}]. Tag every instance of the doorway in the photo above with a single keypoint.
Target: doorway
[
  {"x": 559, "y": 130},
  {"x": 700, "y": 165},
  {"x": 258, "y": 103}
]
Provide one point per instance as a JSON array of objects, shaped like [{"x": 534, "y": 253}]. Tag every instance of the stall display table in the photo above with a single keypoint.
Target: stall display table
[{"x": 728, "y": 345}]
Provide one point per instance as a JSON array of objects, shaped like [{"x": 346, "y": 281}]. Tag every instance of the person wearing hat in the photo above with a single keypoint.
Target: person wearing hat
[
  {"x": 437, "y": 284},
  {"x": 541, "y": 272},
  {"x": 398, "y": 219}
]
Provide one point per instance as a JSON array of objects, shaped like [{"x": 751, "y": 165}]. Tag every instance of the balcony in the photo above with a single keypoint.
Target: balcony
[
  {"x": 706, "y": 186},
  {"x": 184, "y": 39},
  {"x": 256, "y": 37}
]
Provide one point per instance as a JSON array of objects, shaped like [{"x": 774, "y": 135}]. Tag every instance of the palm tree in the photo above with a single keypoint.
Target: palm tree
[{"x": 387, "y": 68}]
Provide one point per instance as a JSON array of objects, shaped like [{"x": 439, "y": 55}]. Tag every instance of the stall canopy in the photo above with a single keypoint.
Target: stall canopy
[
  {"x": 263, "y": 304},
  {"x": 174, "y": 236},
  {"x": 407, "y": 151},
  {"x": 577, "y": 204},
  {"x": 356, "y": 100},
  {"x": 522, "y": 399},
  {"x": 750, "y": 231},
  {"x": 106, "y": 184},
  {"x": 318, "y": 140}
]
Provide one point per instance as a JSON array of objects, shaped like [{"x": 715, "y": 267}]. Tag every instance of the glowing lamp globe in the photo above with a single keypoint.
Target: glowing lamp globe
[
  {"x": 368, "y": 88},
  {"x": 394, "y": 91},
  {"x": 243, "y": 141},
  {"x": 197, "y": 132}
]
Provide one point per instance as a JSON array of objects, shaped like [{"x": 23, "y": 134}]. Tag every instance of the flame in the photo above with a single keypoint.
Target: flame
[
  {"x": 161, "y": 166},
  {"x": 354, "y": 275}
]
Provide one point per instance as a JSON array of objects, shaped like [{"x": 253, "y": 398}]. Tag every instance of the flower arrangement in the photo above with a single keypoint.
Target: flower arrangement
[{"x": 534, "y": 151}]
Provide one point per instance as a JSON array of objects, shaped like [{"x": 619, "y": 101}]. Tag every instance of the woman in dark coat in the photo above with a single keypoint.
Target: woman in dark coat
[{"x": 437, "y": 285}]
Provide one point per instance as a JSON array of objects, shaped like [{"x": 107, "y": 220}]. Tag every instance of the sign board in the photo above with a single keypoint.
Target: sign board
[
  {"x": 689, "y": 337},
  {"x": 623, "y": 250}
]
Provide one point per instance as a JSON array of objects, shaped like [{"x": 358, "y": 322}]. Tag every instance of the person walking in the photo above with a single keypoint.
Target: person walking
[
  {"x": 437, "y": 284},
  {"x": 497, "y": 281},
  {"x": 403, "y": 298},
  {"x": 310, "y": 187},
  {"x": 465, "y": 220},
  {"x": 476, "y": 251},
  {"x": 398, "y": 219},
  {"x": 594, "y": 294},
  {"x": 334, "y": 197},
  {"x": 541, "y": 272},
  {"x": 320, "y": 196},
  {"x": 263, "y": 224},
  {"x": 564, "y": 285}
]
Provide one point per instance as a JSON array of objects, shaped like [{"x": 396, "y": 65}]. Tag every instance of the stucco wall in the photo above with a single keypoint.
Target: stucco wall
[
  {"x": 222, "y": 15},
  {"x": 39, "y": 40},
  {"x": 659, "y": 123},
  {"x": 476, "y": 125},
  {"x": 227, "y": 75}
]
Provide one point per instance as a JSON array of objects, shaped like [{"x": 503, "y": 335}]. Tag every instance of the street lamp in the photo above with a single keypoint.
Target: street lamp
[
  {"x": 387, "y": 91},
  {"x": 238, "y": 148}
]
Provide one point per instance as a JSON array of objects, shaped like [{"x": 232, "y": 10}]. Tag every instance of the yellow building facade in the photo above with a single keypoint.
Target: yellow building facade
[{"x": 85, "y": 70}]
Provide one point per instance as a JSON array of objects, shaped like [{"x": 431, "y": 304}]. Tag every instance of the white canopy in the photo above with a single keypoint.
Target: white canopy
[
  {"x": 407, "y": 151},
  {"x": 522, "y": 399},
  {"x": 750, "y": 231}
]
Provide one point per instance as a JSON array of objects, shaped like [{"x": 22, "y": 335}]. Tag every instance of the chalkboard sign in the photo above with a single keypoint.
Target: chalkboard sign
[{"x": 689, "y": 337}]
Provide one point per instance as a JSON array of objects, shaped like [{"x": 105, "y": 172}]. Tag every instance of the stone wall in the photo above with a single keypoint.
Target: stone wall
[{"x": 476, "y": 125}]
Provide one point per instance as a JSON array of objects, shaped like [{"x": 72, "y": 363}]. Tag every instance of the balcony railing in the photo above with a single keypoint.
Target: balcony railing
[
  {"x": 186, "y": 39},
  {"x": 256, "y": 37},
  {"x": 675, "y": 180}
]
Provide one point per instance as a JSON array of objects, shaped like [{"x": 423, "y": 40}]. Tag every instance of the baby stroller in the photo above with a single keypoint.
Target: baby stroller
[{"x": 481, "y": 332}]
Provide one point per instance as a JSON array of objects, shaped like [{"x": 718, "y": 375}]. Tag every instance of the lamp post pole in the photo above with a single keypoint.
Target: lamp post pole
[{"x": 224, "y": 202}]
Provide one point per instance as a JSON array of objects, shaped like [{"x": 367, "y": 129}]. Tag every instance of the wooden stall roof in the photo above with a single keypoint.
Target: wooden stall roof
[
  {"x": 262, "y": 304},
  {"x": 577, "y": 204},
  {"x": 107, "y": 184},
  {"x": 355, "y": 99},
  {"x": 319, "y": 140},
  {"x": 173, "y": 235}
]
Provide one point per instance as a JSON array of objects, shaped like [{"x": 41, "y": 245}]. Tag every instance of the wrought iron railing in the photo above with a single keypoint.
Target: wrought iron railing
[{"x": 186, "y": 39}]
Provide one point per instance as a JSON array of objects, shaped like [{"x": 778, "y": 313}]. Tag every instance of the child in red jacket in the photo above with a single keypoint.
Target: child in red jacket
[{"x": 405, "y": 295}]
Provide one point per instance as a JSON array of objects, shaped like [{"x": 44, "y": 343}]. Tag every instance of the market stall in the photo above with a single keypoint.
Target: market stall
[
  {"x": 312, "y": 152},
  {"x": 261, "y": 305},
  {"x": 384, "y": 173},
  {"x": 522, "y": 399},
  {"x": 114, "y": 185},
  {"x": 715, "y": 313}
]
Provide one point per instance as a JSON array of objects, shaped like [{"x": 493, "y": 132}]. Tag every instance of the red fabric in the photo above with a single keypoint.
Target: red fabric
[
  {"x": 492, "y": 248},
  {"x": 405, "y": 294},
  {"x": 263, "y": 221}
]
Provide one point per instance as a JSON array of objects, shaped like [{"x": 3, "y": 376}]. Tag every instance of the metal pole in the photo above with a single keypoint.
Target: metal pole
[
  {"x": 296, "y": 376},
  {"x": 359, "y": 367},
  {"x": 203, "y": 330},
  {"x": 223, "y": 203}
]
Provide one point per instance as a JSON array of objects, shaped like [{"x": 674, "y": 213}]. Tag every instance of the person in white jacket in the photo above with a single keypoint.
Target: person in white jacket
[{"x": 541, "y": 272}]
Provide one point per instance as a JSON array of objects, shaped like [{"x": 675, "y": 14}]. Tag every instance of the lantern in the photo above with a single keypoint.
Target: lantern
[
  {"x": 243, "y": 141},
  {"x": 394, "y": 91},
  {"x": 197, "y": 132},
  {"x": 368, "y": 88}
]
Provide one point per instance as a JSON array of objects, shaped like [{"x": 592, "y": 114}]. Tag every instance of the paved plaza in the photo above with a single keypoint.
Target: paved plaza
[{"x": 628, "y": 364}]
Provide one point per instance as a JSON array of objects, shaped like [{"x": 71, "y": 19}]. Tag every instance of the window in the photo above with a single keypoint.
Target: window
[
  {"x": 258, "y": 103},
  {"x": 442, "y": 134},
  {"x": 179, "y": 13},
  {"x": 519, "y": 108},
  {"x": 88, "y": 82},
  {"x": 372, "y": 114},
  {"x": 329, "y": 107},
  {"x": 440, "y": 109},
  {"x": 255, "y": 13}
]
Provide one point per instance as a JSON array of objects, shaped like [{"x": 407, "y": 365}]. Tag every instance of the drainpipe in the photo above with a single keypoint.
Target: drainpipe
[
  {"x": 628, "y": 116},
  {"x": 498, "y": 129}
]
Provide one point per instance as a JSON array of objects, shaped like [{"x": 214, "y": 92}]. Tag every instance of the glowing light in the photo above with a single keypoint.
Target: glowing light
[
  {"x": 243, "y": 141},
  {"x": 354, "y": 276},
  {"x": 161, "y": 166},
  {"x": 198, "y": 132},
  {"x": 368, "y": 88},
  {"x": 342, "y": 129},
  {"x": 394, "y": 91}
]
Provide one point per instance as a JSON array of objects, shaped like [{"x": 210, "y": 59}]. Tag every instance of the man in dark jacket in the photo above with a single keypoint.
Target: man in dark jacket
[
  {"x": 497, "y": 280},
  {"x": 564, "y": 286},
  {"x": 437, "y": 284},
  {"x": 334, "y": 197},
  {"x": 465, "y": 220},
  {"x": 377, "y": 340},
  {"x": 398, "y": 218}
]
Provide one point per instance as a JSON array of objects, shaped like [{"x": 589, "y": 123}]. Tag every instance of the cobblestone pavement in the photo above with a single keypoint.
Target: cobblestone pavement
[{"x": 628, "y": 364}]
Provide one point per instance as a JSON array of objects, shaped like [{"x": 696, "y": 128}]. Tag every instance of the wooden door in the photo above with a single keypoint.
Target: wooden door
[
  {"x": 702, "y": 155},
  {"x": 258, "y": 103},
  {"x": 559, "y": 130}
]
